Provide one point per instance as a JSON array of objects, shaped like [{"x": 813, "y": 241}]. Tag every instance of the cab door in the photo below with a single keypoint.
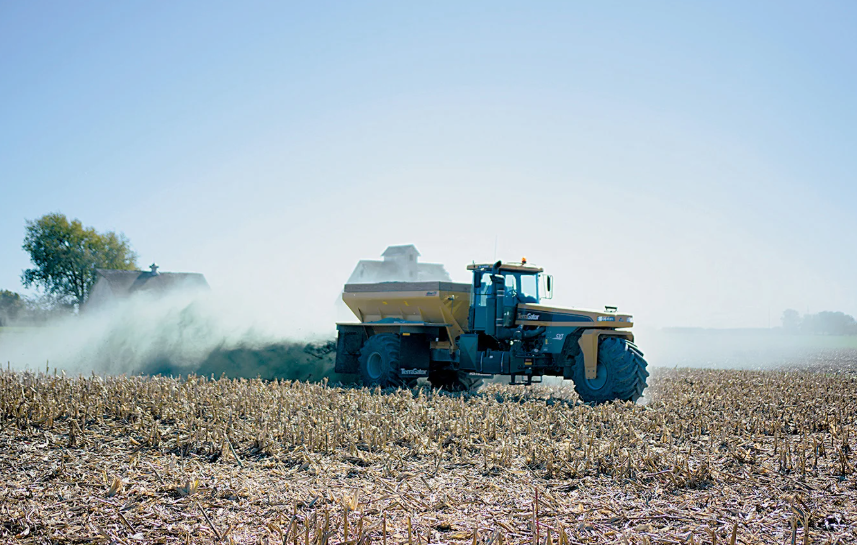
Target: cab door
[
  {"x": 510, "y": 300},
  {"x": 480, "y": 303}
]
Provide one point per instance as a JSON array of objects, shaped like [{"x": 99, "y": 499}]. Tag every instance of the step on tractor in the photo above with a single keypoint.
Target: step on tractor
[{"x": 456, "y": 334}]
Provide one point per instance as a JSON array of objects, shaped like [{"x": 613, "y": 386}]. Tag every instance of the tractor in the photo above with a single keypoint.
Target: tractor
[{"x": 456, "y": 334}]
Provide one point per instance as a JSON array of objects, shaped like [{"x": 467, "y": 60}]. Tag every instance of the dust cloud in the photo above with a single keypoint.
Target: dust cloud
[
  {"x": 198, "y": 331},
  {"x": 743, "y": 348},
  {"x": 177, "y": 333}
]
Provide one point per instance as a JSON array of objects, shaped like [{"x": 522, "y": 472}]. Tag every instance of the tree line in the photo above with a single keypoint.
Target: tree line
[
  {"x": 822, "y": 323},
  {"x": 64, "y": 256}
]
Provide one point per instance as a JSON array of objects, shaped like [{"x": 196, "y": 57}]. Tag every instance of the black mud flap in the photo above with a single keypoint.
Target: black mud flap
[
  {"x": 414, "y": 355},
  {"x": 348, "y": 345}
]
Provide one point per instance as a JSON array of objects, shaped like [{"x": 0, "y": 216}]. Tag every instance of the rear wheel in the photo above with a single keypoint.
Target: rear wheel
[
  {"x": 379, "y": 360},
  {"x": 454, "y": 381},
  {"x": 620, "y": 375}
]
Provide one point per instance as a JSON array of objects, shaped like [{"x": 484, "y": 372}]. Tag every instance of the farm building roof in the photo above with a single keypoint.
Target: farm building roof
[{"x": 124, "y": 283}]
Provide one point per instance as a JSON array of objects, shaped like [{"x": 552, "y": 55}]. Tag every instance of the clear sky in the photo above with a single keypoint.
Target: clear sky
[{"x": 691, "y": 162}]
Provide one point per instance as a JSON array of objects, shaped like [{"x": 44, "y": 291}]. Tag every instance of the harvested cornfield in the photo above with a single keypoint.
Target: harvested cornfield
[{"x": 709, "y": 457}]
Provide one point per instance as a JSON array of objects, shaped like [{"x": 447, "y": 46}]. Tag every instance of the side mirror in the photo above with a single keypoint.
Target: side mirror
[{"x": 548, "y": 287}]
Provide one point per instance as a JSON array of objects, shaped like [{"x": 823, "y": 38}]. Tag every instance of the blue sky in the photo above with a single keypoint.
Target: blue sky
[{"x": 691, "y": 162}]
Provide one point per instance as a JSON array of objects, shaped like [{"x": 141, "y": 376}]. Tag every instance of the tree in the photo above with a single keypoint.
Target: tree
[
  {"x": 835, "y": 323},
  {"x": 65, "y": 255},
  {"x": 791, "y": 319},
  {"x": 829, "y": 323},
  {"x": 12, "y": 307}
]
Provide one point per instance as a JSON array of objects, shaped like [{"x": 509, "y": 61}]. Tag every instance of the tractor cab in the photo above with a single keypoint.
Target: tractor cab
[{"x": 497, "y": 290}]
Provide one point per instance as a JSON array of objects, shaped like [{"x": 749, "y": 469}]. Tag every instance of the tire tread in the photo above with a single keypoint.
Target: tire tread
[{"x": 627, "y": 372}]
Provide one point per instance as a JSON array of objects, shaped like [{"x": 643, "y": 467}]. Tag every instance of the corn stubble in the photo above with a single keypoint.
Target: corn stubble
[{"x": 710, "y": 457}]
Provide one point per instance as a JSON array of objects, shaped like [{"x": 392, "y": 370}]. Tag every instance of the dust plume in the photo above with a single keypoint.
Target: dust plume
[
  {"x": 743, "y": 348},
  {"x": 177, "y": 333}
]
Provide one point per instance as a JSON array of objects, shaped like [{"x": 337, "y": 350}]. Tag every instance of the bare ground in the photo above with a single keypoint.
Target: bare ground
[{"x": 708, "y": 457}]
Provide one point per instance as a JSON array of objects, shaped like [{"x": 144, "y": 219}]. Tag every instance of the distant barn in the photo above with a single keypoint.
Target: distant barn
[
  {"x": 114, "y": 285},
  {"x": 400, "y": 264}
]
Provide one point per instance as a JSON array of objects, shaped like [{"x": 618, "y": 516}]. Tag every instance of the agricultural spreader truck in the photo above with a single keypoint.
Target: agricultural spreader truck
[{"x": 456, "y": 334}]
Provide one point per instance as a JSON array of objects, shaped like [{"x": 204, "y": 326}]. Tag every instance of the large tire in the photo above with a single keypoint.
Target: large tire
[
  {"x": 621, "y": 373},
  {"x": 454, "y": 381},
  {"x": 379, "y": 361}
]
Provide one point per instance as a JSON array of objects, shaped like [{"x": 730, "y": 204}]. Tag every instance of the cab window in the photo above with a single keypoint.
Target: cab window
[
  {"x": 511, "y": 284},
  {"x": 530, "y": 286},
  {"x": 482, "y": 293}
]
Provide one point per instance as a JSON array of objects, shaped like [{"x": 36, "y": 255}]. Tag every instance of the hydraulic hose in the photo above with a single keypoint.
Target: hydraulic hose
[{"x": 533, "y": 332}]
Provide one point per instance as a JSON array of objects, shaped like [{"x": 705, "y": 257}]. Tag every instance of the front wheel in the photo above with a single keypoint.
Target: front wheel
[{"x": 621, "y": 373}]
